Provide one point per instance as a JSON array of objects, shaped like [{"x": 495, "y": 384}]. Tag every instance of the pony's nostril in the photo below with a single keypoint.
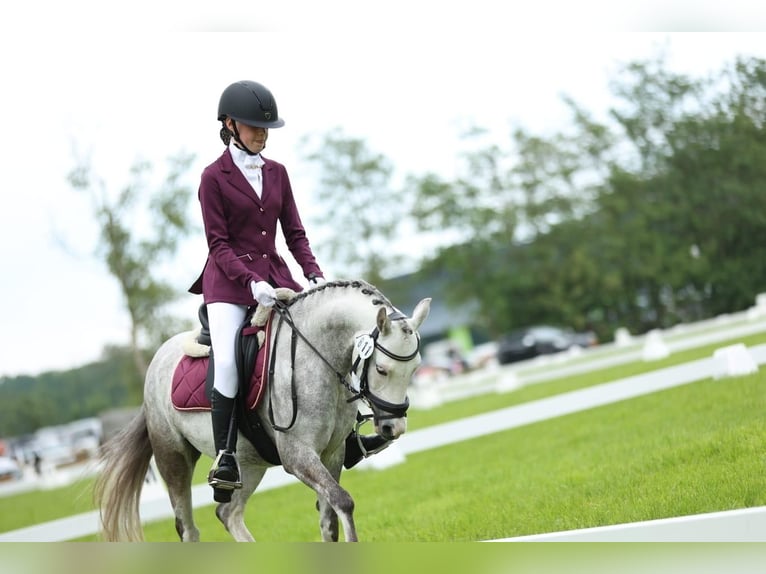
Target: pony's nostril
[{"x": 387, "y": 431}]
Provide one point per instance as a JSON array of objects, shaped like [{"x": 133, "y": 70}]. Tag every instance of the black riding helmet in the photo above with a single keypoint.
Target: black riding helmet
[{"x": 250, "y": 103}]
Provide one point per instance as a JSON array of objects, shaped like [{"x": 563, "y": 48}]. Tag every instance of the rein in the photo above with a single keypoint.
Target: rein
[{"x": 361, "y": 392}]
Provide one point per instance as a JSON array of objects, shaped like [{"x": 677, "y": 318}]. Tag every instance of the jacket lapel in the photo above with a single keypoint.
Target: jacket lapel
[
  {"x": 235, "y": 177},
  {"x": 265, "y": 177}
]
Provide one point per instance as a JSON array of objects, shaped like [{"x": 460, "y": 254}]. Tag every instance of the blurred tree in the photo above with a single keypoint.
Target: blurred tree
[
  {"x": 363, "y": 215},
  {"x": 139, "y": 229},
  {"x": 492, "y": 215},
  {"x": 686, "y": 215},
  {"x": 717, "y": 170},
  {"x": 650, "y": 218},
  {"x": 57, "y": 397}
]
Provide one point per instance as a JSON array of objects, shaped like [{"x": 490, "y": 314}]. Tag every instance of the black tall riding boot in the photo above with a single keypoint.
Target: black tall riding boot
[
  {"x": 224, "y": 476},
  {"x": 356, "y": 452}
]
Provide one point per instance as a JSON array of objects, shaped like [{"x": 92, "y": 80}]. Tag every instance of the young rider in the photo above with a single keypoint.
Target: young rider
[{"x": 244, "y": 196}]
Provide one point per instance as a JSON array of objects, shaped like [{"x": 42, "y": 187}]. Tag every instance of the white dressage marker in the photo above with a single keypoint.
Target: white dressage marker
[{"x": 733, "y": 361}]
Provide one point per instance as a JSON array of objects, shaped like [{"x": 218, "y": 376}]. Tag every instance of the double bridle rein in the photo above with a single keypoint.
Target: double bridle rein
[{"x": 359, "y": 386}]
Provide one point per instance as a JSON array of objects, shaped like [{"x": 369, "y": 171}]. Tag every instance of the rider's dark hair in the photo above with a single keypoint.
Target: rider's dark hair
[{"x": 225, "y": 133}]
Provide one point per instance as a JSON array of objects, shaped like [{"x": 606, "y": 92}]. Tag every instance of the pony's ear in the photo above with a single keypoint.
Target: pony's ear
[
  {"x": 384, "y": 323},
  {"x": 420, "y": 313}
]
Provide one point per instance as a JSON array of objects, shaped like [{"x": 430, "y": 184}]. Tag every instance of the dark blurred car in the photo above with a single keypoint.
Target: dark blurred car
[
  {"x": 539, "y": 340},
  {"x": 585, "y": 339}
]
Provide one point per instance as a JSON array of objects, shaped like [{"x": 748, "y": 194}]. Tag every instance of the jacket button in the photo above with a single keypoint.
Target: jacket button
[
  {"x": 263, "y": 233},
  {"x": 265, "y": 256}
]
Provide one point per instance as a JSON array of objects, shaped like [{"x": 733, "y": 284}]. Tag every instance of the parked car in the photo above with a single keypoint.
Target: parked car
[
  {"x": 9, "y": 469},
  {"x": 57, "y": 454},
  {"x": 586, "y": 339},
  {"x": 539, "y": 340}
]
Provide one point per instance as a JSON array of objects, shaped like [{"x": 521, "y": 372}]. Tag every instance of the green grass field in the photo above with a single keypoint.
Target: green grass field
[{"x": 692, "y": 449}]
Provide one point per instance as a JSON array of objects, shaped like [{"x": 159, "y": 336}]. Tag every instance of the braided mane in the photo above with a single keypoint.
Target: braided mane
[{"x": 360, "y": 285}]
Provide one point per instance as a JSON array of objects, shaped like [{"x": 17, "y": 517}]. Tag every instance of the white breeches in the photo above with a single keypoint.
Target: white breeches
[{"x": 224, "y": 320}]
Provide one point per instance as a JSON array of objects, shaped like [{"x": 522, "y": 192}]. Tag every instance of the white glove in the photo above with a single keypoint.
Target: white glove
[
  {"x": 263, "y": 293},
  {"x": 315, "y": 280}
]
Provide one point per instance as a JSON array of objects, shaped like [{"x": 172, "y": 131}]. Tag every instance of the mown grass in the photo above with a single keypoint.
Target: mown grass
[
  {"x": 691, "y": 449},
  {"x": 268, "y": 510},
  {"x": 38, "y": 506}
]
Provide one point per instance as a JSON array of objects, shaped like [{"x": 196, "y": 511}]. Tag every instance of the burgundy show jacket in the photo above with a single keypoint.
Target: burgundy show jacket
[{"x": 241, "y": 232}]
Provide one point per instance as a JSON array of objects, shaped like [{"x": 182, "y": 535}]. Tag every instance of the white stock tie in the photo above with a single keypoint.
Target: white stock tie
[{"x": 255, "y": 177}]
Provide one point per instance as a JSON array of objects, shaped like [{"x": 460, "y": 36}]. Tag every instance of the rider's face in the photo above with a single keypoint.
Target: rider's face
[{"x": 253, "y": 138}]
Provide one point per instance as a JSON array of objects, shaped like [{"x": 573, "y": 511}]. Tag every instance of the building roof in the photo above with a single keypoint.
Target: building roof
[{"x": 406, "y": 291}]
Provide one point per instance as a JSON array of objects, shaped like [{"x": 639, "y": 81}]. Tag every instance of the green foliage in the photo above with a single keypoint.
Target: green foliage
[
  {"x": 366, "y": 211},
  {"x": 646, "y": 218},
  {"x": 28, "y": 403},
  {"x": 653, "y": 218},
  {"x": 140, "y": 228}
]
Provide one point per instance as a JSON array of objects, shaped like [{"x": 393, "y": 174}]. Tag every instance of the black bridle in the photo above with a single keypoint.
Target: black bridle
[
  {"x": 394, "y": 410},
  {"x": 362, "y": 390}
]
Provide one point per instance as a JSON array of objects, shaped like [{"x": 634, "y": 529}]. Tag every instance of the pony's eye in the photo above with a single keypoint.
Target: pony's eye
[{"x": 381, "y": 371}]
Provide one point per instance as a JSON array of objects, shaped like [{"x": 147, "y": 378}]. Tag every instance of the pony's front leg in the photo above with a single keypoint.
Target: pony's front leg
[
  {"x": 328, "y": 518},
  {"x": 334, "y": 501},
  {"x": 328, "y": 521}
]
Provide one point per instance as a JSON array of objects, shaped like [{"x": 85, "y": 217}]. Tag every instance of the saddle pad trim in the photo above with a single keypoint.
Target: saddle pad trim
[{"x": 264, "y": 375}]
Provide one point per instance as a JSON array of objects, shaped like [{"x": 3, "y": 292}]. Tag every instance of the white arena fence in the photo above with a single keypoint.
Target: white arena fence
[{"x": 746, "y": 525}]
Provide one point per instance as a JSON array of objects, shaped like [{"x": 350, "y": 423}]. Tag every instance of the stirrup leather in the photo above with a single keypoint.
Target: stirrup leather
[
  {"x": 367, "y": 453},
  {"x": 220, "y": 483}
]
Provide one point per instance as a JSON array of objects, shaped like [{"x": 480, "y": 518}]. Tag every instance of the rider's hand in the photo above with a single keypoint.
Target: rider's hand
[
  {"x": 315, "y": 280},
  {"x": 263, "y": 293}
]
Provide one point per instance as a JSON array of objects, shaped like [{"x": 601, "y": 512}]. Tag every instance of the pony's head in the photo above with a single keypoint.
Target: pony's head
[{"x": 385, "y": 361}]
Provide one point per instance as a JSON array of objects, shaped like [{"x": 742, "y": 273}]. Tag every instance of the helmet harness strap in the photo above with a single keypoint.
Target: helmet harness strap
[{"x": 238, "y": 140}]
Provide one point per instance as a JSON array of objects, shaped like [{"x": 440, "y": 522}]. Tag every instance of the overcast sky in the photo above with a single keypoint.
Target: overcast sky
[{"x": 150, "y": 89}]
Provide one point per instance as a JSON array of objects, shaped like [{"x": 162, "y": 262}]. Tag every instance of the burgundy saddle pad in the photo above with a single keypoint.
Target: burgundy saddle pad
[{"x": 187, "y": 391}]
